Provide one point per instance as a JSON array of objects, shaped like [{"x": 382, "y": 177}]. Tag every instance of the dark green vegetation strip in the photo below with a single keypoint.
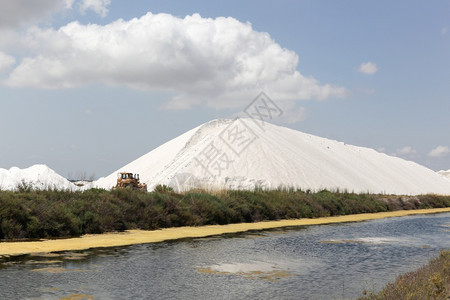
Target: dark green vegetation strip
[
  {"x": 41, "y": 214},
  {"x": 429, "y": 282}
]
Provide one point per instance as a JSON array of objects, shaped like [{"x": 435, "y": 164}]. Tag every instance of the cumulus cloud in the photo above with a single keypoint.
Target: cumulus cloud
[
  {"x": 405, "y": 151},
  {"x": 290, "y": 113},
  {"x": 222, "y": 62},
  {"x": 6, "y": 62},
  {"x": 18, "y": 12},
  {"x": 439, "y": 151},
  {"x": 98, "y": 6},
  {"x": 368, "y": 68},
  {"x": 367, "y": 91},
  {"x": 294, "y": 115}
]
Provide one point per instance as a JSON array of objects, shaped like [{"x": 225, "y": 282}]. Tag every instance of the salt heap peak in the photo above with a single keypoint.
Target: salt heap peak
[
  {"x": 37, "y": 177},
  {"x": 247, "y": 154}
]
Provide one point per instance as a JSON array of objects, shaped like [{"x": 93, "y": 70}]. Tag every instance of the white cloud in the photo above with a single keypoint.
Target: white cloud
[
  {"x": 405, "y": 151},
  {"x": 439, "y": 151},
  {"x": 294, "y": 115},
  {"x": 290, "y": 113},
  {"x": 6, "y": 62},
  {"x": 98, "y": 6},
  {"x": 18, "y": 12},
  {"x": 222, "y": 62},
  {"x": 366, "y": 91},
  {"x": 368, "y": 68}
]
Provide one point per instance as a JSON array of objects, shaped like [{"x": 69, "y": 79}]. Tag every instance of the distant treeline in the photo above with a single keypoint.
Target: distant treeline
[{"x": 31, "y": 213}]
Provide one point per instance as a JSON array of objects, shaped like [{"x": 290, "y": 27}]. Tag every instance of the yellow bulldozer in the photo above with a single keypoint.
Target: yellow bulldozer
[{"x": 130, "y": 180}]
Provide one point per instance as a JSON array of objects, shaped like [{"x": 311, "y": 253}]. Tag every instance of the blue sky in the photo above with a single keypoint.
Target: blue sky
[{"x": 89, "y": 85}]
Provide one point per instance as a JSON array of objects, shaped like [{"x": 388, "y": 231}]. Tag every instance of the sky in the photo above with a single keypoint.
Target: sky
[{"x": 87, "y": 86}]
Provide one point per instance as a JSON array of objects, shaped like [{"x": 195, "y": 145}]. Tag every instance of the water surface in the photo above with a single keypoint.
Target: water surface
[{"x": 335, "y": 261}]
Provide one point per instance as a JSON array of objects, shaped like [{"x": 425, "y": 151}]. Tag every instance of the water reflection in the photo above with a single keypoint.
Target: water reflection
[{"x": 317, "y": 262}]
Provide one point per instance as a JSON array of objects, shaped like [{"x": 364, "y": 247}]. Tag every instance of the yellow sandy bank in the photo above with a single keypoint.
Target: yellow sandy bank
[{"x": 131, "y": 237}]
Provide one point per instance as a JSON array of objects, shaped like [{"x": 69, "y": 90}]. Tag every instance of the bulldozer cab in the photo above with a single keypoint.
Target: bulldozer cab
[{"x": 125, "y": 175}]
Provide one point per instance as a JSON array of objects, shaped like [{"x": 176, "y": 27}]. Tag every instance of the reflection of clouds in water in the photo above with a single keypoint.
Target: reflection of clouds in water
[
  {"x": 271, "y": 271},
  {"x": 382, "y": 240},
  {"x": 376, "y": 241},
  {"x": 256, "y": 270},
  {"x": 244, "y": 267}
]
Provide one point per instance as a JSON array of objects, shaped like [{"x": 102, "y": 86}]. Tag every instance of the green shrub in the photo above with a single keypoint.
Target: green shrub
[
  {"x": 162, "y": 188},
  {"x": 31, "y": 213}
]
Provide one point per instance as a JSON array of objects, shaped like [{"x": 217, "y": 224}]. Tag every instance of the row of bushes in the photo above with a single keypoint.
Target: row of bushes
[{"x": 50, "y": 213}]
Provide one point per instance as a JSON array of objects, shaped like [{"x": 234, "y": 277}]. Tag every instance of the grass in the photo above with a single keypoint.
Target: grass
[
  {"x": 31, "y": 213},
  {"x": 429, "y": 282}
]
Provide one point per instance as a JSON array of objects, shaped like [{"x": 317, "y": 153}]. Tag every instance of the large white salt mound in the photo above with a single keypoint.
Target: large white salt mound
[
  {"x": 446, "y": 174},
  {"x": 151, "y": 163},
  {"x": 38, "y": 177},
  {"x": 244, "y": 154}
]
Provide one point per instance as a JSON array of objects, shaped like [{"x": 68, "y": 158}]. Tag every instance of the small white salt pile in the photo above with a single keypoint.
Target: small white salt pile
[{"x": 37, "y": 177}]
